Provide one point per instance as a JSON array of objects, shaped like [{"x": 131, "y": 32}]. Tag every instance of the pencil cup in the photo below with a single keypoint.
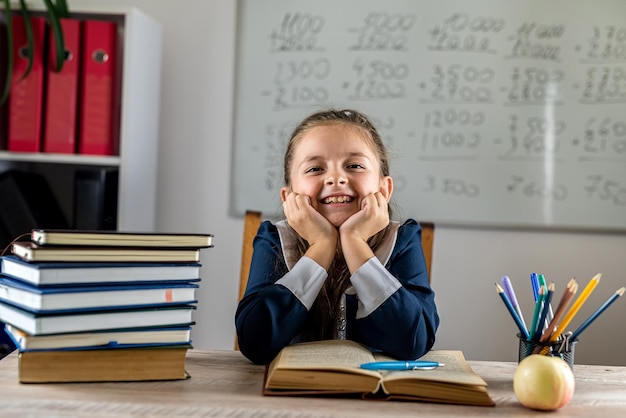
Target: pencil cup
[{"x": 563, "y": 348}]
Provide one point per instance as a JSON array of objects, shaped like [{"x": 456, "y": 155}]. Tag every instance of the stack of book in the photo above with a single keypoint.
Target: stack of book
[{"x": 86, "y": 306}]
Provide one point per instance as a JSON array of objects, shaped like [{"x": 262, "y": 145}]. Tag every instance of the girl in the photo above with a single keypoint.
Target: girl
[{"x": 337, "y": 267}]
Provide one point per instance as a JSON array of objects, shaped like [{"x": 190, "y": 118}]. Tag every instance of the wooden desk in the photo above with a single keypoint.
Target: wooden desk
[{"x": 225, "y": 384}]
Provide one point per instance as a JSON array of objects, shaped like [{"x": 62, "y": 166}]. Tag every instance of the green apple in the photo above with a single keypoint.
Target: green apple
[{"x": 543, "y": 382}]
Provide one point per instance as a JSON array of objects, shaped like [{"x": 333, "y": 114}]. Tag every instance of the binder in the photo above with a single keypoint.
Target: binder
[
  {"x": 62, "y": 92},
  {"x": 99, "y": 133},
  {"x": 4, "y": 123},
  {"x": 26, "y": 98}
]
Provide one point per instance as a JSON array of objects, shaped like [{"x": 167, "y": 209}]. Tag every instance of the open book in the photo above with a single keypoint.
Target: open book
[{"x": 332, "y": 368}]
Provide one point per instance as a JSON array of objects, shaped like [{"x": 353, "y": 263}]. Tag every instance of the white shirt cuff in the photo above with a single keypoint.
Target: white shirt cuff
[
  {"x": 304, "y": 280},
  {"x": 373, "y": 285}
]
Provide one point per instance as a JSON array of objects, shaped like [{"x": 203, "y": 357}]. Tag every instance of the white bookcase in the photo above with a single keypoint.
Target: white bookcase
[{"x": 139, "y": 123}]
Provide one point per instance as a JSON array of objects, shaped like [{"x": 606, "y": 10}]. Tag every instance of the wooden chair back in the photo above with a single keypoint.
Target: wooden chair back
[{"x": 252, "y": 221}]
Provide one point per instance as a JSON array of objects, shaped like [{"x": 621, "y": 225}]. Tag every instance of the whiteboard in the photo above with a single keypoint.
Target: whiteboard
[{"x": 502, "y": 113}]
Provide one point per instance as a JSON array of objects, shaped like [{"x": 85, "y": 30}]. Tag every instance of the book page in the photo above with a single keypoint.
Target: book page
[
  {"x": 455, "y": 370},
  {"x": 323, "y": 366},
  {"x": 331, "y": 354}
]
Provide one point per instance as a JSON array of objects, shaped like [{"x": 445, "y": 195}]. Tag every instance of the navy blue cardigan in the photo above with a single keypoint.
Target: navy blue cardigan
[{"x": 270, "y": 316}]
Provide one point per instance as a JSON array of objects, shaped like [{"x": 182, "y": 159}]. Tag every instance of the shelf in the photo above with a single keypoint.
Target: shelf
[
  {"x": 141, "y": 49},
  {"x": 76, "y": 159}
]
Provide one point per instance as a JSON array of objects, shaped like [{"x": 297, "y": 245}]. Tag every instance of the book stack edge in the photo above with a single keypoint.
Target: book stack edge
[{"x": 101, "y": 316}]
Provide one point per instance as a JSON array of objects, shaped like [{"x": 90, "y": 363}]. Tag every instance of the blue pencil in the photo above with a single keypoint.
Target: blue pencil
[
  {"x": 542, "y": 281},
  {"x": 537, "y": 311},
  {"x": 508, "y": 305},
  {"x": 544, "y": 312},
  {"x": 597, "y": 313}
]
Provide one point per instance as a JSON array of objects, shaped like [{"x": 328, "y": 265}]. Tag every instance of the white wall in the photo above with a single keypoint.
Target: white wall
[{"x": 194, "y": 194}]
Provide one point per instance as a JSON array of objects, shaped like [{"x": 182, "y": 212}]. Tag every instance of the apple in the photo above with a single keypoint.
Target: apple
[{"x": 543, "y": 382}]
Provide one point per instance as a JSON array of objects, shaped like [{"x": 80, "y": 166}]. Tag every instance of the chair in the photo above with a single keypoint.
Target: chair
[{"x": 252, "y": 221}]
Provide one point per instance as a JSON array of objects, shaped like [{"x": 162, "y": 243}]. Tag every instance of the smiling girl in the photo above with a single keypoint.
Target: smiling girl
[{"x": 337, "y": 266}]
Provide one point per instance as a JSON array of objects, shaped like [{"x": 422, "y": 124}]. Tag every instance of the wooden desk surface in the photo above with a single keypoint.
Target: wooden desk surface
[{"x": 225, "y": 384}]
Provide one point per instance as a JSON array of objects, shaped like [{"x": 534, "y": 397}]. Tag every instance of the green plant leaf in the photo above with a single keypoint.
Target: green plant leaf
[
  {"x": 62, "y": 9},
  {"x": 30, "y": 37},
  {"x": 9, "y": 25},
  {"x": 59, "y": 41}
]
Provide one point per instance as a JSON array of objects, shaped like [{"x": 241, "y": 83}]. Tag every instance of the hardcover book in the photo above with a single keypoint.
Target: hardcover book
[
  {"x": 58, "y": 323},
  {"x": 46, "y": 274},
  {"x": 332, "y": 368},
  {"x": 120, "y": 238},
  {"x": 118, "y": 365},
  {"x": 100, "y": 339},
  {"x": 69, "y": 298},
  {"x": 29, "y": 251}
]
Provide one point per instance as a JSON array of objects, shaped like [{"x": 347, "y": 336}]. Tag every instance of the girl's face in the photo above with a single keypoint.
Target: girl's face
[{"x": 336, "y": 166}]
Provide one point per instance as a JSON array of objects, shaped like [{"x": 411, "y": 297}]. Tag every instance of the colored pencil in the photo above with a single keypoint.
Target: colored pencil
[
  {"x": 542, "y": 281},
  {"x": 508, "y": 305},
  {"x": 508, "y": 289},
  {"x": 576, "y": 306},
  {"x": 537, "y": 311},
  {"x": 544, "y": 312},
  {"x": 566, "y": 297},
  {"x": 619, "y": 292}
]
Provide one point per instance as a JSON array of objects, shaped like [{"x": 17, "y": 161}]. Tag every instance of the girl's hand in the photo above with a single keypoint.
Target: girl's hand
[
  {"x": 372, "y": 218},
  {"x": 321, "y": 235},
  {"x": 358, "y": 228}
]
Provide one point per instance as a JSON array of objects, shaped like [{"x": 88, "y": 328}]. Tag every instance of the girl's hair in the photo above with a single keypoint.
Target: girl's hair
[
  {"x": 325, "y": 311},
  {"x": 336, "y": 117}
]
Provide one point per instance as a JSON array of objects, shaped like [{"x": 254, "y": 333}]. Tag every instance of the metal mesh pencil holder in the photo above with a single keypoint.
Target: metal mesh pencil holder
[{"x": 563, "y": 348}]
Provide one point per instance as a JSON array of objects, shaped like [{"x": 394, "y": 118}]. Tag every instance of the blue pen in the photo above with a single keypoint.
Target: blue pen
[
  {"x": 401, "y": 365},
  {"x": 534, "y": 282}
]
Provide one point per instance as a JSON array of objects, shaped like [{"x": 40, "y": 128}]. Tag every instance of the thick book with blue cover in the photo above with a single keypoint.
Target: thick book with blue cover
[
  {"x": 98, "y": 340},
  {"x": 84, "y": 321},
  {"x": 76, "y": 273},
  {"x": 69, "y": 298}
]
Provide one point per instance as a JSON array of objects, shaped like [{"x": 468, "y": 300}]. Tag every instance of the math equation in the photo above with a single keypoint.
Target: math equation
[{"x": 477, "y": 102}]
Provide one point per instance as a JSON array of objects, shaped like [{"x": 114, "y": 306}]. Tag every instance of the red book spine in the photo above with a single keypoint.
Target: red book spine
[
  {"x": 98, "y": 121},
  {"x": 26, "y": 97},
  {"x": 62, "y": 92}
]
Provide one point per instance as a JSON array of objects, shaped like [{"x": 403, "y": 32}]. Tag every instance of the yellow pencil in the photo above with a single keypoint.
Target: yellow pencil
[{"x": 576, "y": 306}]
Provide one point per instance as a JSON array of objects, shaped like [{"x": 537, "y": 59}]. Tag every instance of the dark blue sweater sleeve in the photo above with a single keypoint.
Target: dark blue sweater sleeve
[{"x": 269, "y": 315}]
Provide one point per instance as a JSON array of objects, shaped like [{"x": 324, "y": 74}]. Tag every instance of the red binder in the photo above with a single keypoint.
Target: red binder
[
  {"x": 4, "y": 108},
  {"x": 99, "y": 119},
  {"x": 26, "y": 98},
  {"x": 62, "y": 92}
]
